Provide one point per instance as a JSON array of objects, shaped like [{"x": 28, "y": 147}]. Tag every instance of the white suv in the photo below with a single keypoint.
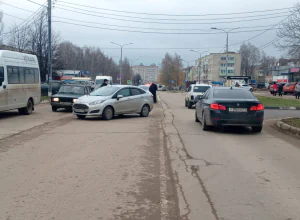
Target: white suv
[{"x": 193, "y": 91}]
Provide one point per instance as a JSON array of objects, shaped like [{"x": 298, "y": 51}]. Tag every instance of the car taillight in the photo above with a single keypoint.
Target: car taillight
[
  {"x": 216, "y": 106},
  {"x": 259, "y": 107}
]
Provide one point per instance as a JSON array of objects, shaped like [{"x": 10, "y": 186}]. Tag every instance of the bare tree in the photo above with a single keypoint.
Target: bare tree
[
  {"x": 1, "y": 26},
  {"x": 137, "y": 79},
  {"x": 171, "y": 70},
  {"x": 19, "y": 38},
  {"x": 250, "y": 58},
  {"x": 289, "y": 33}
]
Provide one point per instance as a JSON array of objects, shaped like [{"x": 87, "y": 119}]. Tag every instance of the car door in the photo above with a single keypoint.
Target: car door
[
  {"x": 3, "y": 91},
  {"x": 136, "y": 99},
  {"x": 123, "y": 105},
  {"x": 202, "y": 103}
]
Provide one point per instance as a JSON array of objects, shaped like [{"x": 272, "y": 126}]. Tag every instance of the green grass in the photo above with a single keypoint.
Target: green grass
[
  {"x": 45, "y": 98},
  {"x": 268, "y": 101},
  {"x": 293, "y": 122}
]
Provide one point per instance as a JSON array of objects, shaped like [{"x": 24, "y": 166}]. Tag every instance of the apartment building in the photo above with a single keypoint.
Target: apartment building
[
  {"x": 148, "y": 73},
  {"x": 212, "y": 68}
]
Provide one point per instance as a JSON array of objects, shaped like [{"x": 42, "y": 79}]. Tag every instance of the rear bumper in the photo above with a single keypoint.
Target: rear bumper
[{"x": 217, "y": 118}]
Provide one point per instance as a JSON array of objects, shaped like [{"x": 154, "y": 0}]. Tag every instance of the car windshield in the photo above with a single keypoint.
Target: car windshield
[
  {"x": 201, "y": 88},
  {"x": 233, "y": 94},
  {"x": 72, "y": 89},
  {"x": 105, "y": 91}
]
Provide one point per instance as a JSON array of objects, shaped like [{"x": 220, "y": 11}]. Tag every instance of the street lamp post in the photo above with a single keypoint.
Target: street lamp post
[
  {"x": 227, "y": 36},
  {"x": 200, "y": 54},
  {"x": 121, "y": 62}
]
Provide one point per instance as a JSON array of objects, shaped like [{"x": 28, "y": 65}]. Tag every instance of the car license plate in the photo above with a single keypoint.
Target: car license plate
[
  {"x": 66, "y": 103},
  {"x": 237, "y": 109},
  {"x": 79, "y": 110}
]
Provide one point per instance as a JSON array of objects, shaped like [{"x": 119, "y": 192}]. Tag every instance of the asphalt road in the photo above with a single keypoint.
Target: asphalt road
[
  {"x": 235, "y": 174},
  {"x": 54, "y": 166}
]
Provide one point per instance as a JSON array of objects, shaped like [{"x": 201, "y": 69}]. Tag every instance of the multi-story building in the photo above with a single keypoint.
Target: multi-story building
[
  {"x": 212, "y": 68},
  {"x": 148, "y": 73}
]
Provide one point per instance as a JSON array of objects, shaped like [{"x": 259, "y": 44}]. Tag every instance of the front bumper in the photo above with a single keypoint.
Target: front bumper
[
  {"x": 62, "y": 105},
  {"x": 88, "y": 110},
  {"x": 217, "y": 118}
]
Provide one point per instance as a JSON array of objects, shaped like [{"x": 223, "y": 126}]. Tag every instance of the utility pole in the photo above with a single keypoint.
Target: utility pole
[
  {"x": 227, "y": 46},
  {"x": 121, "y": 62},
  {"x": 49, "y": 49}
]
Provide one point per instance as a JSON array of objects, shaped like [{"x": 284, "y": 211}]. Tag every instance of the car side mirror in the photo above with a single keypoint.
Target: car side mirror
[
  {"x": 198, "y": 98},
  {"x": 119, "y": 97}
]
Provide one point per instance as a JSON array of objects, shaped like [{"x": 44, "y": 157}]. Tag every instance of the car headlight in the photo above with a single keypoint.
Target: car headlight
[
  {"x": 74, "y": 100},
  {"x": 97, "y": 102},
  {"x": 55, "y": 99}
]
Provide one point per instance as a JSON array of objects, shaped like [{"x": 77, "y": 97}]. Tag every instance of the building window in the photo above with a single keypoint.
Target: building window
[{"x": 223, "y": 58}]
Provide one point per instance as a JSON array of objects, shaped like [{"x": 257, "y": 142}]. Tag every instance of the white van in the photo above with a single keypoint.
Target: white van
[
  {"x": 20, "y": 85},
  {"x": 100, "y": 79}
]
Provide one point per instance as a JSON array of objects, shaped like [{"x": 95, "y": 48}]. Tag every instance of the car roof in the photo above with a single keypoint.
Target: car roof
[
  {"x": 201, "y": 84},
  {"x": 74, "y": 84}
]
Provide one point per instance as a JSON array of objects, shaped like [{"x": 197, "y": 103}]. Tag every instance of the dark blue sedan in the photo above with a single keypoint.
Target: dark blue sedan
[{"x": 229, "y": 106}]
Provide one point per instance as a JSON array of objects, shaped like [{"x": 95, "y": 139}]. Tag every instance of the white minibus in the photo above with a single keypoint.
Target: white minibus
[{"x": 20, "y": 85}]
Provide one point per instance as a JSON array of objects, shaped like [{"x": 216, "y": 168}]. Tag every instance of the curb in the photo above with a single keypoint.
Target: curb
[
  {"x": 285, "y": 127},
  {"x": 282, "y": 108}
]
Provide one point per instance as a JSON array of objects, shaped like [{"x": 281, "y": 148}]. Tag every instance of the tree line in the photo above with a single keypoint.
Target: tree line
[{"x": 33, "y": 38}]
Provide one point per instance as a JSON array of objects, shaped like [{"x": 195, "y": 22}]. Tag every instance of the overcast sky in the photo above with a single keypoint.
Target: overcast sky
[{"x": 102, "y": 37}]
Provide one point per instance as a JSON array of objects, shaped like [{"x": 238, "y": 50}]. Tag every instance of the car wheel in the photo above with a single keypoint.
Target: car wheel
[
  {"x": 28, "y": 109},
  {"x": 251, "y": 90},
  {"x": 81, "y": 116},
  {"x": 196, "y": 118},
  {"x": 205, "y": 127},
  {"x": 145, "y": 111},
  {"x": 257, "y": 129},
  {"x": 190, "y": 105},
  {"x": 108, "y": 113},
  {"x": 54, "y": 109}
]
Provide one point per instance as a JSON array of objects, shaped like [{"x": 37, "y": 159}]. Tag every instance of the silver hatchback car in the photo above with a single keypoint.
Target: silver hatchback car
[{"x": 109, "y": 101}]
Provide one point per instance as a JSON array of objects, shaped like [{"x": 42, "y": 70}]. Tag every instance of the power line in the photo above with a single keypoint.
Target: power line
[
  {"x": 16, "y": 7},
  {"x": 151, "y": 32},
  {"x": 13, "y": 16},
  {"x": 261, "y": 32},
  {"x": 142, "y": 28},
  {"x": 36, "y": 3},
  {"x": 168, "y": 19},
  {"x": 153, "y": 22},
  {"x": 269, "y": 43},
  {"x": 143, "y": 13}
]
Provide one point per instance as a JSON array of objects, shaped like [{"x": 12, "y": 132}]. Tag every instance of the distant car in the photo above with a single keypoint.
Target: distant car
[
  {"x": 108, "y": 101},
  {"x": 246, "y": 86},
  {"x": 229, "y": 106},
  {"x": 193, "y": 91},
  {"x": 289, "y": 88},
  {"x": 67, "y": 95},
  {"x": 162, "y": 88}
]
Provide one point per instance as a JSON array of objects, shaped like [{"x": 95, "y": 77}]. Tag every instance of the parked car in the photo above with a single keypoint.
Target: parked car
[
  {"x": 246, "y": 86},
  {"x": 67, "y": 95},
  {"x": 193, "y": 91},
  {"x": 229, "y": 106},
  {"x": 108, "y": 101},
  {"x": 289, "y": 88}
]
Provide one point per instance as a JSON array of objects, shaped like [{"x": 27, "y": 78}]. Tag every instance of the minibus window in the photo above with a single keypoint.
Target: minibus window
[{"x": 1, "y": 75}]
